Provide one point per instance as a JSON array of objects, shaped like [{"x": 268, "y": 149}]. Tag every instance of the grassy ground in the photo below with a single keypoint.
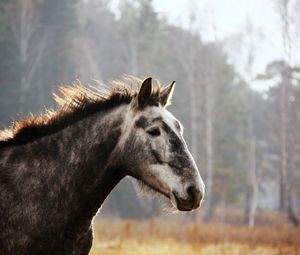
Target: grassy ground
[
  {"x": 172, "y": 247},
  {"x": 160, "y": 237}
]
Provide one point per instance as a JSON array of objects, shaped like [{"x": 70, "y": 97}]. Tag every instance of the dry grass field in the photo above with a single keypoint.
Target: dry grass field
[{"x": 177, "y": 236}]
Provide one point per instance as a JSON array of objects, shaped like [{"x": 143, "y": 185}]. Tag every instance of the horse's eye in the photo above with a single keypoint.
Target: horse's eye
[{"x": 154, "y": 132}]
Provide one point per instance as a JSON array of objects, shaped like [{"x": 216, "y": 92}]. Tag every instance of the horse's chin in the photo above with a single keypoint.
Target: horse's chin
[
  {"x": 145, "y": 189},
  {"x": 171, "y": 203}
]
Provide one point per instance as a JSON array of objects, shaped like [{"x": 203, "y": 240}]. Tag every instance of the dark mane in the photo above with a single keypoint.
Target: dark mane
[{"x": 76, "y": 102}]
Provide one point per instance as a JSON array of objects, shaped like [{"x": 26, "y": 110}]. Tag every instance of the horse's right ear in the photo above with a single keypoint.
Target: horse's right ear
[{"x": 145, "y": 92}]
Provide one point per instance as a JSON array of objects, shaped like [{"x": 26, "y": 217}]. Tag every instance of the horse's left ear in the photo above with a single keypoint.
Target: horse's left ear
[
  {"x": 145, "y": 92},
  {"x": 166, "y": 94}
]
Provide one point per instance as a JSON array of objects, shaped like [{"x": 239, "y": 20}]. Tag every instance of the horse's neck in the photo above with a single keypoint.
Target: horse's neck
[{"x": 80, "y": 159}]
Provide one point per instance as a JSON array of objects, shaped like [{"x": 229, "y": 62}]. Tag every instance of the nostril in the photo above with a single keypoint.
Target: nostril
[
  {"x": 194, "y": 193},
  {"x": 191, "y": 191}
]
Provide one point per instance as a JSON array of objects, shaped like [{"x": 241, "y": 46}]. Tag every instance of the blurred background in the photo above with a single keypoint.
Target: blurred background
[{"x": 237, "y": 68}]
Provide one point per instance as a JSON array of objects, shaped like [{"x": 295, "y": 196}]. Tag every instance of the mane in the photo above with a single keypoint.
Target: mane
[{"x": 75, "y": 102}]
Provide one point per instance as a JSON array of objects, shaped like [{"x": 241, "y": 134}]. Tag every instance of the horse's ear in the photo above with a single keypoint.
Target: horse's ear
[
  {"x": 166, "y": 94},
  {"x": 145, "y": 92}
]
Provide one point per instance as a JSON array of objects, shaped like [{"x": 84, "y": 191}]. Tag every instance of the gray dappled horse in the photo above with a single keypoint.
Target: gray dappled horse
[{"x": 57, "y": 169}]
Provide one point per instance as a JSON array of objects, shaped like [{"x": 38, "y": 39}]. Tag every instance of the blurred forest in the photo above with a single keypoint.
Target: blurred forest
[{"x": 245, "y": 142}]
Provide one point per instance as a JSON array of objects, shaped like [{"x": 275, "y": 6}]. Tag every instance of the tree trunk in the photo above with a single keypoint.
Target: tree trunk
[
  {"x": 194, "y": 131},
  {"x": 290, "y": 208},
  {"x": 283, "y": 145},
  {"x": 284, "y": 7},
  {"x": 194, "y": 125},
  {"x": 286, "y": 195},
  {"x": 209, "y": 151},
  {"x": 254, "y": 183}
]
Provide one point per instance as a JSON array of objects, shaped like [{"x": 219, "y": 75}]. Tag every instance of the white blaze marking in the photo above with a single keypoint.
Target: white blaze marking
[{"x": 170, "y": 120}]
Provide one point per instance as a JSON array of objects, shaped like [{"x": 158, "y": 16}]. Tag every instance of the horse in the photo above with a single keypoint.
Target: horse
[{"x": 57, "y": 168}]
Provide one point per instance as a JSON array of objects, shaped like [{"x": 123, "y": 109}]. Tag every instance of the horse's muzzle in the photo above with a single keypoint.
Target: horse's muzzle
[{"x": 191, "y": 201}]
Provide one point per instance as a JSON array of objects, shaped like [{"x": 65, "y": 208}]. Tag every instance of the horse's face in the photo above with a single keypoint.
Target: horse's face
[{"x": 155, "y": 151}]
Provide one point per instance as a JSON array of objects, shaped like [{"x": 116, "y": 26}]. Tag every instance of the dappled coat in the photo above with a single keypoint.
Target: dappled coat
[{"x": 57, "y": 169}]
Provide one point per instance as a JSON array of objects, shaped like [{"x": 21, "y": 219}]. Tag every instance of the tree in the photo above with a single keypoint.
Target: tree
[
  {"x": 281, "y": 96},
  {"x": 139, "y": 30},
  {"x": 286, "y": 76},
  {"x": 250, "y": 41},
  {"x": 59, "y": 21},
  {"x": 23, "y": 20}
]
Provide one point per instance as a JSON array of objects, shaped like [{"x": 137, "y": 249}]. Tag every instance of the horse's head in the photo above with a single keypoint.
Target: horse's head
[{"x": 154, "y": 150}]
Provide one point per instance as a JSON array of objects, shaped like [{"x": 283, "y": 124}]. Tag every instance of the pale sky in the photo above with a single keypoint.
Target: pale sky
[{"x": 221, "y": 19}]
